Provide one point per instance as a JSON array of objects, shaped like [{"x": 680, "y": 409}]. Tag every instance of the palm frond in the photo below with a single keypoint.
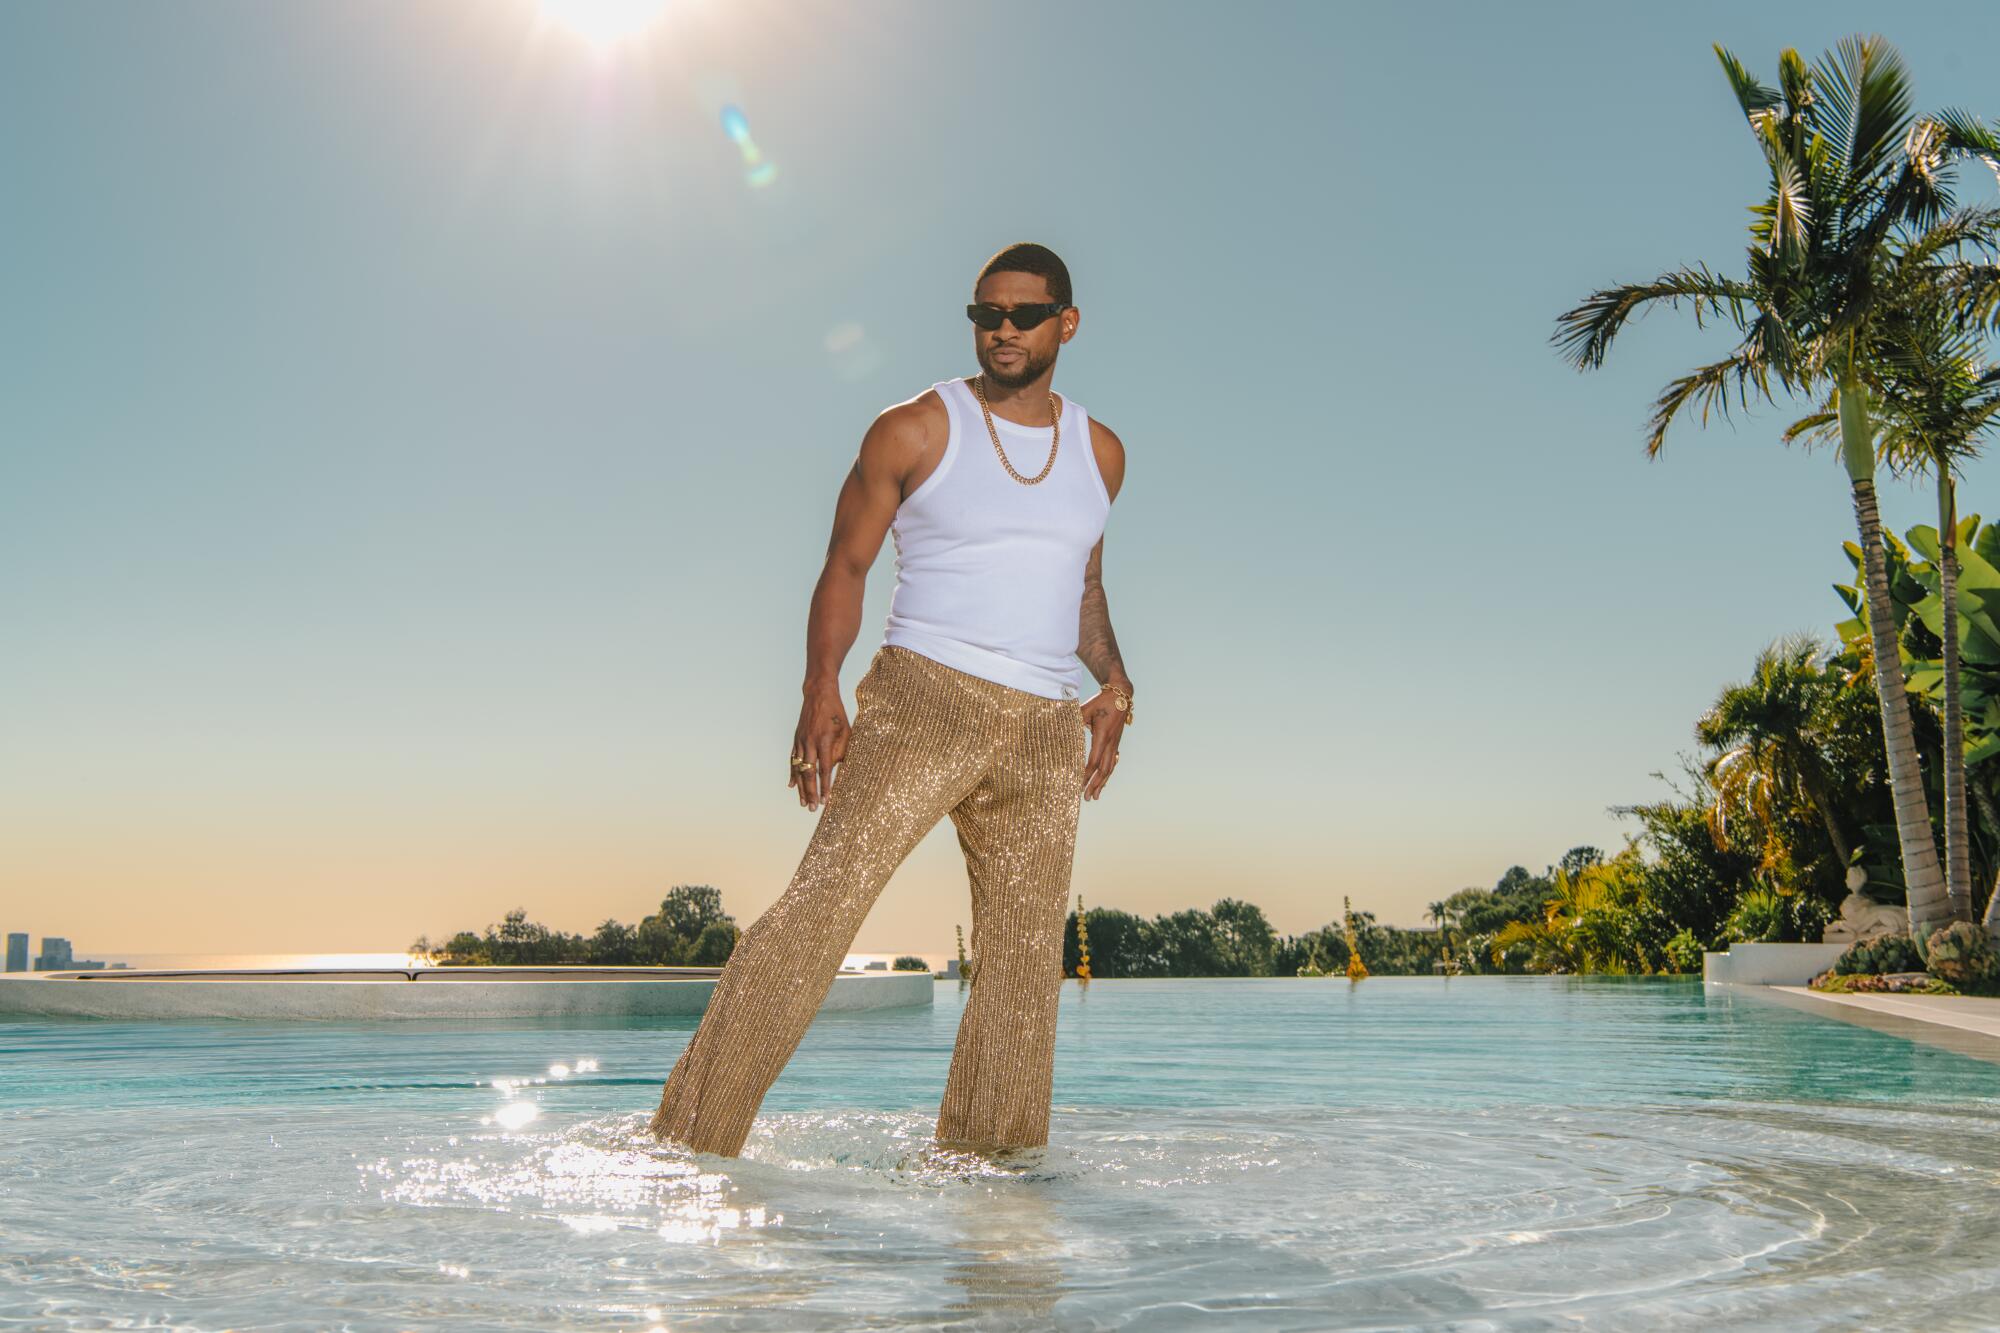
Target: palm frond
[
  {"x": 1791, "y": 202},
  {"x": 1865, "y": 90},
  {"x": 1584, "y": 334},
  {"x": 1976, "y": 228},
  {"x": 1709, "y": 386},
  {"x": 1818, "y": 428},
  {"x": 1795, "y": 82},
  {"x": 1968, "y": 135},
  {"x": 1975, "y": 291},
  {"x": 1751, "y": 95}
]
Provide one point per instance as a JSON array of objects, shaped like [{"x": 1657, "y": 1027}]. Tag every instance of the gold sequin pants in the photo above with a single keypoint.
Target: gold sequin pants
[{"x": 927, "y": 740}]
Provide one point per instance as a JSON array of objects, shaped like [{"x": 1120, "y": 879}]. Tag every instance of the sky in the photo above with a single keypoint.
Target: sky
[{"x": 419, "y": 438}]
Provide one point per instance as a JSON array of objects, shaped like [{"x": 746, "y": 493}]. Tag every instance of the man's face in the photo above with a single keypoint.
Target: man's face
[{"x": 1009, "y": 356}]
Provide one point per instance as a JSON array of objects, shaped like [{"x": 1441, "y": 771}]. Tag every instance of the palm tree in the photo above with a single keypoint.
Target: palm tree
[
  {"x": 1444, "y": 918},
  {"x": 1850, "y": 168},
  {"x": 1769, "y": 730},
  {"x": 1581, "y": 926},
  {"x": 1939, "y": 396}
]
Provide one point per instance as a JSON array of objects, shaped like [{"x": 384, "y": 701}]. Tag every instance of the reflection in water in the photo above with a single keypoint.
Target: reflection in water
[{"x": 1009, "y": 1257}]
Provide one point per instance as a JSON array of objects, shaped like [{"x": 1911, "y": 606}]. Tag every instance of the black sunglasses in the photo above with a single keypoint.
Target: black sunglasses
[{"x": 1025, "y": 317}]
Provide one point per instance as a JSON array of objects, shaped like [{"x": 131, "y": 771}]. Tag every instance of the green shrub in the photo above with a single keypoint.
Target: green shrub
[
  {"x": 1809, "y": 917},
  {"x": 1684, "y": 951},
  {"x": 1757, "y": 917},
  {"x": 1885, "y": 953},
  {"x": 1963, "y": 954}
]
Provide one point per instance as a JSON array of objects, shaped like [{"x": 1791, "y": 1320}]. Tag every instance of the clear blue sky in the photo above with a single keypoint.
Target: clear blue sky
[{"x": 420, "y": 440}]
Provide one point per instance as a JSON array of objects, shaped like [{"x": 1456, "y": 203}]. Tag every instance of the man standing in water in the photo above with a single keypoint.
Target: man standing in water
[{"x": 997, "y": 492}]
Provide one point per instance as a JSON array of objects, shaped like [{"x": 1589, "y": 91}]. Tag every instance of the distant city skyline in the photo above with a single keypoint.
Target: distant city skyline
[{"x": 56, "y": 956}]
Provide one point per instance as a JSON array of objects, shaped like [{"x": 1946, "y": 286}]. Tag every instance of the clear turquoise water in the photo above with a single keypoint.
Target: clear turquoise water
[{"x": 1471, "y": 1153}]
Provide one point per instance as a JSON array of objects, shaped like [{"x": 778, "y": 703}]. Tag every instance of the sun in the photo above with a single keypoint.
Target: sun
[{"x": 603, "y": 23}]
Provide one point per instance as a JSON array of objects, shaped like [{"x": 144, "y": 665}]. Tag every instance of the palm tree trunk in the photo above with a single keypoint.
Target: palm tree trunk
[
  {"x": 1929, "y": 902},
  {"x": 1957, "y": 844},
  {"x": 1816, "y": 793},
  {"x": 1991, "y": 917}
]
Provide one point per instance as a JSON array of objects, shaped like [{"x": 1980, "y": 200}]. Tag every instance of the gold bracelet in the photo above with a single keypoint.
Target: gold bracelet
[{"x": 1124, "y": 701}]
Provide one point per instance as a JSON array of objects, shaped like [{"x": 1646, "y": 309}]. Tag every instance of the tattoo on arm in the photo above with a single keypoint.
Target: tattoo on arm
[{"x": 1097, "y": 646}]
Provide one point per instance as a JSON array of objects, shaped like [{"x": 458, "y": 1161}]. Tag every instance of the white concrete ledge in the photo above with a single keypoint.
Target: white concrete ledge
[
  {"x": 1770, "y": 964},
  {"x": 1964, "y": 1024},
  {"x": 383, "y": 993},
  {"x": 1967, "y": 1013}
]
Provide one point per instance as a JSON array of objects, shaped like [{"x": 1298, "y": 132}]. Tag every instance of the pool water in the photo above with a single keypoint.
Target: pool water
[{"x": 1466, "y": 1153}]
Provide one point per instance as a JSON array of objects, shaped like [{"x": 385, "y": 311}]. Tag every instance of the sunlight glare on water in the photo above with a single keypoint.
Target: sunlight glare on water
[{"x": 1408, "y": 1152}]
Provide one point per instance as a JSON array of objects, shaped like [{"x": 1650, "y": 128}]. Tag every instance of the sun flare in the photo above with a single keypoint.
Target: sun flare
[{"x": 603, "y": 22}]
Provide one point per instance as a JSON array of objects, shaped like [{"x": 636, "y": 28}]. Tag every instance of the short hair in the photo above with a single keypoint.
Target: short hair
[{"x": 1027, "y": 257}]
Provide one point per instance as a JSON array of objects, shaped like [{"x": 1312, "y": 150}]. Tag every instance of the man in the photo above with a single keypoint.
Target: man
[{"x": 997, "y": 492}]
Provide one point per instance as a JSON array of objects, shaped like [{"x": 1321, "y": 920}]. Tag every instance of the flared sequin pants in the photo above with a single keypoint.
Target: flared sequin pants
[{"x": 927, "y": 740}]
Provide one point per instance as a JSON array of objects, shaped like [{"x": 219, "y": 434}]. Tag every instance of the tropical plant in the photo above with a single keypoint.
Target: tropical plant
[
  {"x": 1851, "y": 168},
  {"x": 1597, "y": 920},
  {"x": 1886, "y": 953},
  {"x": 1939, "y": 397},
  {"x": 1757, "y": 917},
  {"x": 1684, "y": 951},
  {"x": 1082, "y": 942},
  {"x": 1441, "y": 915},
  {"x": 1356, "y": 969},
  {"x": 1916, "y": 589},
  {"x": 1962, "y": 953},
  {"x": 1768, "y": 731}
]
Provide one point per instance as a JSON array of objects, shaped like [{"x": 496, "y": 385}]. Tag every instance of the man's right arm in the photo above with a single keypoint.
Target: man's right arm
[{"x": 892, "y": 448}]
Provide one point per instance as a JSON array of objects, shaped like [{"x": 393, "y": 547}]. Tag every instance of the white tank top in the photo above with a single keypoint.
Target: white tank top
[{"x": 989, "y": 571}]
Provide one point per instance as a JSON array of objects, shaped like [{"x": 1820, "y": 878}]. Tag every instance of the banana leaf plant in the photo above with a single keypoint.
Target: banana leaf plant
[{"x": 1916, "y": 594}]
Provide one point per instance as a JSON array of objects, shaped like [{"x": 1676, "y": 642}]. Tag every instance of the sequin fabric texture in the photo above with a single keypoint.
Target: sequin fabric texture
[{"x": 927, "y": 741}]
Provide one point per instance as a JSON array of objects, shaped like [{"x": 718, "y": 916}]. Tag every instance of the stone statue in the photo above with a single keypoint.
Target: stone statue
[{"x": 1861, "y": 917}]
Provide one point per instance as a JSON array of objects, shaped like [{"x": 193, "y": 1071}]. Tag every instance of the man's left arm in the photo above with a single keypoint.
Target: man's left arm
[{"x": 1097, "y": 646}]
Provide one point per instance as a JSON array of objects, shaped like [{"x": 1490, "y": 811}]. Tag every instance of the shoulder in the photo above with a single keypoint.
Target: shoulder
[
  {"x": 904, "y": 432},
  {"x": 1110, "y": 451},
  {"x": 920, "y": 416}
]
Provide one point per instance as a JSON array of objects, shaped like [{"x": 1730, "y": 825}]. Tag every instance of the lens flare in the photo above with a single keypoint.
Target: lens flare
[
  {"x": 736, "y": 125},
  {"x": 604, "y": 22}
]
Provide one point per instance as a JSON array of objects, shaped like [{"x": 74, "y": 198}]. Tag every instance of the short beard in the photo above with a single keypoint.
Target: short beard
[{"x": 1030, "y": 368}]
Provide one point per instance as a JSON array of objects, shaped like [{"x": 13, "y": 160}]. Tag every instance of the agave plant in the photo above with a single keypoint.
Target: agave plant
[{"x": 1854, "y": 174}]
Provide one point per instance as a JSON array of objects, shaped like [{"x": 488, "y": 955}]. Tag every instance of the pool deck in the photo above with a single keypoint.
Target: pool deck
[{"x": 1967, "y": 1024}]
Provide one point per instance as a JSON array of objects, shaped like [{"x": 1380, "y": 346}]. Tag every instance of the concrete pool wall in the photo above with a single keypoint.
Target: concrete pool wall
[
  {"x": 1770, "y": 964},
  {"x": 412, "y": 992}
]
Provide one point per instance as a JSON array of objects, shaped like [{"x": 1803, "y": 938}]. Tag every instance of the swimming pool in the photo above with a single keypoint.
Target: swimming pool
[{"x": 1473, "y": 1152}]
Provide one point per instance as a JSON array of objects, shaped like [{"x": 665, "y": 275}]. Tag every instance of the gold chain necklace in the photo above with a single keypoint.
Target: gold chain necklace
[{"x": 1055, "y": 427}]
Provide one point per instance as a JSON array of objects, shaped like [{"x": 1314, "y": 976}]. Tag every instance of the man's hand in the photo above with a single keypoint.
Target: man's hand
[
  {"x": 1106, "y": 721},
  {"x": 822, "y": 740}
]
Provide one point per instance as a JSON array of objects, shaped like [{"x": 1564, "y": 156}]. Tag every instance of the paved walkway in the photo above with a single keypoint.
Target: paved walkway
[{"x": 1968, "y": 1024}]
